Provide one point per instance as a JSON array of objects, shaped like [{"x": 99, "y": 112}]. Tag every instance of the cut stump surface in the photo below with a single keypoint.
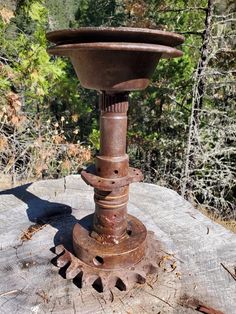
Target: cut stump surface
[{"x": 197, "y": 269}]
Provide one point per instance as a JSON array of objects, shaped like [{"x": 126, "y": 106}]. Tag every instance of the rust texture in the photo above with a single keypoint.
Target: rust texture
[
  {"x": 116, "y": 239},
  {"x": 124, "y": 278},
  {"x": 110, "y": 218},
  {"x": 113, "y": 61}
]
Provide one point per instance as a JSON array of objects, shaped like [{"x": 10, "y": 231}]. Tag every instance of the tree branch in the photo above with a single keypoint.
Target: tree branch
[
  {"x": 193, "y": 33},
  {"x": 183, "y": 10}
]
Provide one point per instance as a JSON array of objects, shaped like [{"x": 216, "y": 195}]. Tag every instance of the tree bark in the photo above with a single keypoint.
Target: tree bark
[{"x": 197, "y": 102}]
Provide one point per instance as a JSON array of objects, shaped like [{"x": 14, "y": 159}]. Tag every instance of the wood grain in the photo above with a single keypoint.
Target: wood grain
[{"x": 36, "y": 217}]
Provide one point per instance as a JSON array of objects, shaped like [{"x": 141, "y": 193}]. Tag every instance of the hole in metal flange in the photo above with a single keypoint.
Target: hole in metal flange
[
  {"x": 129, "y": 232},
  {"x": 113, "y": 182},
  {"x": 98, "y": 260},
  {"x": 116, "y": 171}
]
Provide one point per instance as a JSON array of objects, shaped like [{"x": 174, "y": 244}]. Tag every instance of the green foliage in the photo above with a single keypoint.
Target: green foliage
[
  {"x": 39, "y": 104},
  {"x": 94, "y": 139},
  {"x": 87, "y": 13},
  {"x": 159, "y": 117}
]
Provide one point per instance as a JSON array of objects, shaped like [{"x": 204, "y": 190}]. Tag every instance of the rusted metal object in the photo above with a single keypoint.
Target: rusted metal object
[
  {"x": 115, "y": 34},
  {"x": 113, "y": 61},
  {"x": 118, "y": 66},
  {"x": 122, "y": 277}
]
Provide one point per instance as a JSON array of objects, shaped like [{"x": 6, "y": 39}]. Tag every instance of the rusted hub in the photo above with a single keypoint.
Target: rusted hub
[
  {"x": 95, "y": 251},
  {"x": 113, "y": 61}
]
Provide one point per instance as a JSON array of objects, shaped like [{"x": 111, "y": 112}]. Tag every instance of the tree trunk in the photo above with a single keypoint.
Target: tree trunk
[{"x": 197, "y": 102}]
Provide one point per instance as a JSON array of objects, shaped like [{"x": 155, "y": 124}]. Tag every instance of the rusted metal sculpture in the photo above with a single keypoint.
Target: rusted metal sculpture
[{"x": 112, "y": 248}]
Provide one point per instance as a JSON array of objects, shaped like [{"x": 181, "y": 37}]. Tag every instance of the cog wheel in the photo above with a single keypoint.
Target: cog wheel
[{"x": 103, "y": 280}]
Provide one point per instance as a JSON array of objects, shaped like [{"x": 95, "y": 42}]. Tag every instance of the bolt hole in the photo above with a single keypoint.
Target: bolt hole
[
  {"x": 136, "y": 174},
  {"x": 113, "y": 182},
  {"x": 98, "y": 260},
  {"x": 129, "y": 232},
  {"x": 116, "y": 171},
  {"x": 134, "y": 169},
  {"x": 114, "y": 216},
  {"x": 99, "y": 180}
]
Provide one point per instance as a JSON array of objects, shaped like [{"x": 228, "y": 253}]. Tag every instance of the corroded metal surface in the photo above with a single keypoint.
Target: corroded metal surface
[
  {"x": 117, "y": 34},
  {"x": 124, "y": 278},
  {"x": 65, "y": 49},
  {"x": 123, "y": 59},
  {"x": 118, "y": 67},
  {"x": 111, "y": 247},
  {"x": 103, "y": 183}
]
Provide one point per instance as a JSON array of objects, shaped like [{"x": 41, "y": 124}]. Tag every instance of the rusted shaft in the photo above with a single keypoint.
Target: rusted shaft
[{"x": 110, "y": 218}]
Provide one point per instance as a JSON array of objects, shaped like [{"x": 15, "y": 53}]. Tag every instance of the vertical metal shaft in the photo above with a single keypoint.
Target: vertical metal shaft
[{"x": 110, "y": 218}]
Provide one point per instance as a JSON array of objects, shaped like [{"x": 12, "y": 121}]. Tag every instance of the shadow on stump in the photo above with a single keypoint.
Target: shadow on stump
[{"x": 59, "y": 216}]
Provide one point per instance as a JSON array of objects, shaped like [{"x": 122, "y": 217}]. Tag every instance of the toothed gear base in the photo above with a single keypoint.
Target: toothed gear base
[{"x": 103, "y": 280}]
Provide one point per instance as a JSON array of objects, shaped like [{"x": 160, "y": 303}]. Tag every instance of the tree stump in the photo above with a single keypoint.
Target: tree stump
[{"x": 197, "y": 268}]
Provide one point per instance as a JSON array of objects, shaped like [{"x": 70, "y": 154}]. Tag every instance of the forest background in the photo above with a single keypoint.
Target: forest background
[{"x": 182, "y": 128}]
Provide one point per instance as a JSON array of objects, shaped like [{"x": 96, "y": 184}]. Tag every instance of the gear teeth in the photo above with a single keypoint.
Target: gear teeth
[
  {"x": 105, "y": 283},
  {"x": 89, "y": 279},
  {"x": 150, "y": 268},
  {"x": 137, "y": 276},
  {"x": 102, "y": 280},
  {"x": 72, "y": 271},
  {"x": 112, "y": 280},
  {"x": 59, "y": 249},
  {"x": 63, "y": 259}
]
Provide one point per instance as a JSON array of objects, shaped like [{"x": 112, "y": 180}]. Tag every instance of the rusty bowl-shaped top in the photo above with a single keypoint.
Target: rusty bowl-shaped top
[
  {"x": 114, "y": 59},
  {"x": 115, "y": 34}
]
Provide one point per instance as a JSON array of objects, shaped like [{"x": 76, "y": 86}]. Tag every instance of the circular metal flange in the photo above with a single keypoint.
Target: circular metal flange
[
  {"x": 68, "y": 49},
  {"x": 95, "y": 252},
  {"x": 120, "y": 34},
  {"x": 103, "y": 280},
  {"x": 105, "y": 184}
]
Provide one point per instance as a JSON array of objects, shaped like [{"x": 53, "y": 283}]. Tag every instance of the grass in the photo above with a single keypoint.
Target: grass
[{"x": 229, "y": 224}]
